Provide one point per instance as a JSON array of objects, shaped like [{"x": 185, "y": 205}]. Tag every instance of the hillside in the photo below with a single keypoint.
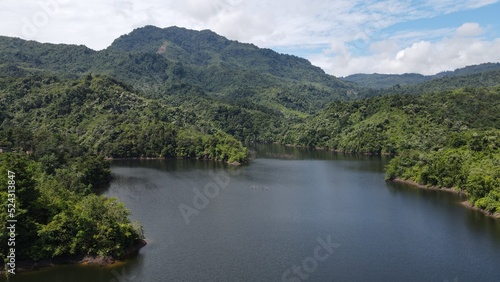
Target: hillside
[
  {"x": 446, "y": 83},
  {"x": 206, "y": 48},
  {"x": 106, "y": 117},
  {"x": 396, "y": 123},
  {"x": 379, "y": 81}
]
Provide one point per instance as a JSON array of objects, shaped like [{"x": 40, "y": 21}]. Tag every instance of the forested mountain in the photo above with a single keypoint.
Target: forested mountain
[
  {"x": 208, "y": 49},
  {"x": 176, "y": 60},
  {"x": 104, "y": 116},
  {"x": 483, "y": 79},
  {"x": 396, "y": 123},
  {"x": 379, "y": 81}
]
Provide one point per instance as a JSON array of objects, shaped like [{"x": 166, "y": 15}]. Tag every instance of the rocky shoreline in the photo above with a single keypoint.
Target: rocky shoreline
[{"x": 102, "y": 261}]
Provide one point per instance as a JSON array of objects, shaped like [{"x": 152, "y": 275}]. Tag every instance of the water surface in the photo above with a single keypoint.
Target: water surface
[{"x": 262, "y": 221}]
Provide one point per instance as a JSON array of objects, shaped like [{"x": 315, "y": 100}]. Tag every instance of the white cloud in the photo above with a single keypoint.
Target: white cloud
[
  {"x": 425, "y": 57},
  {"x": 469, "y": 30}
]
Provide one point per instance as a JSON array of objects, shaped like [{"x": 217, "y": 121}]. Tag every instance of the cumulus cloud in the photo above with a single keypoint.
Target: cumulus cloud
[
  {"x": 469, "y": 30},
  {"x": 463, "y": 47}
]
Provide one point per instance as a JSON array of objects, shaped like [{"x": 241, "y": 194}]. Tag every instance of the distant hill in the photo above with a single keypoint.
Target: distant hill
[
  {"x": 380, "y": 81},
  {"x": 445, "y": 83}
]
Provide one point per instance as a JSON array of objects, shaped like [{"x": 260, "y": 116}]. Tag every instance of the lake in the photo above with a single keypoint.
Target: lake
[{"x": 291, "y": 215}]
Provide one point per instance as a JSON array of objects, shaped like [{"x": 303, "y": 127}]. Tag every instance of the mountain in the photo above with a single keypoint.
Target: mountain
[
  {"x": 206, "y": 48},
  {"x": 238, "y": 71},
  {"x": 445, "y": 83},
  {"x": 380, "y": 81},
  {"x": 178, "y": 61}
]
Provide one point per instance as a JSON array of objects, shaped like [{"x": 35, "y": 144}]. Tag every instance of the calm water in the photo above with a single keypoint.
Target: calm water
[{"x": 294, "y": 214}]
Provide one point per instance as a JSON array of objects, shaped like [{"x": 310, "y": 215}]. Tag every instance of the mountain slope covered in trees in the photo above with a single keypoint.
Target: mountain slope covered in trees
[
  {"x": 106, "y": 117},
  {"x": 177, "y": 60}
]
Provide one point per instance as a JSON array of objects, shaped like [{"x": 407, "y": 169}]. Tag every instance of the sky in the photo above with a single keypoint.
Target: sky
[{"x": 342, "y": 37}]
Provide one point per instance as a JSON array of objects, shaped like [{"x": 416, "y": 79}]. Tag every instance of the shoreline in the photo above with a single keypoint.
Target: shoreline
[
  {"x": 336, "y": 150},
  {"x": 465, "y": 203},
  {"x": 431, "y": 187},
  {"x": 101, "y": 261},
  {"x": 468, "y": 205},
  {"x": 161, "y": 158}
]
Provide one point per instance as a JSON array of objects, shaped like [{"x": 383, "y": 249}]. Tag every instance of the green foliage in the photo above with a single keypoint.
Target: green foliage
[
  {"x": 475, "y": 172},
  {"x": 101, "y": 115},
  {"x": 447, "y": 139},
  {"x": 55, "y": 218},
  {"x": 398, "y": 123},
  {"x": 96, "y": 225},
  {"x": 68, "y": 127}
]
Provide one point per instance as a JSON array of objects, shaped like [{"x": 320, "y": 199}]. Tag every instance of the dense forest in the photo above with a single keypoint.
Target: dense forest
[
  {"x": 177, "y": 93},
  {"x": 56, "y": 210},
  {"x": 104, "y": 117}
]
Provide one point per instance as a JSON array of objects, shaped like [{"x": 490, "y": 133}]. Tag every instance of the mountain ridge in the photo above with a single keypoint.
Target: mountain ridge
[
  {"x": 203, "y": 47},
  {"x": 175, "y": 59},
  {"x": 379, "y": 81}
]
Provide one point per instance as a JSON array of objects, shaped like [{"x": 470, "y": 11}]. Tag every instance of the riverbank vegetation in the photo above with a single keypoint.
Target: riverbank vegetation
[
  {"x": 57, "y": 212},
  {"x": 448, "y": 139},
  {"x": 105, "y": 117}
]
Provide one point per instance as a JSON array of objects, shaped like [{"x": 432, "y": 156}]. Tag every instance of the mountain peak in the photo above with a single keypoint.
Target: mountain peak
[
  {"x": 150, "y": 38},
  {"x": 207, "y": 48}
]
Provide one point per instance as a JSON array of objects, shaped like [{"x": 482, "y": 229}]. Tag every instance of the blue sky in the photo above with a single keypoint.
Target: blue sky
[{"x": 342, "y": 36}]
